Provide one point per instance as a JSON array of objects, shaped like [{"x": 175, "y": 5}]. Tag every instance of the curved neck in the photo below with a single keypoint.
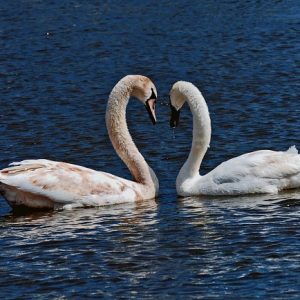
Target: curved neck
[
  {"x": 120, "y": 136},
  {"x": 201, "y": 132}
]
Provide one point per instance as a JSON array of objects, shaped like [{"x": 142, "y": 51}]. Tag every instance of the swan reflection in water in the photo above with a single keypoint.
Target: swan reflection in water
[
  {"x": 141, "y": 213},
  {"x": 203, "y": 202},
  {"x": 108, "y": 239},
  {"x": 232, "y": 236},
  {"x": 202, "y": 210}
]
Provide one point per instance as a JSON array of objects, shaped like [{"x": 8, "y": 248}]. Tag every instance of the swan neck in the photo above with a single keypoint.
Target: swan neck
[
  {"x": 201, "y": 133},
  {"x": 120, "y": 136}
]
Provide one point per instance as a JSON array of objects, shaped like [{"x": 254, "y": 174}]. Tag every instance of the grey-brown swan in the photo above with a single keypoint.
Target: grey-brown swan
[{"x": 44, "y": 183}]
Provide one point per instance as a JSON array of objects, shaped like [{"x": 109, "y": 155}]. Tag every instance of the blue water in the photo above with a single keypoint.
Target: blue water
[{"x": 59, "y": 61}]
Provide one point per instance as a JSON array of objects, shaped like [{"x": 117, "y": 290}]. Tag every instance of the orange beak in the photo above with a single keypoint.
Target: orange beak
[{"x": 150, "y": 105}]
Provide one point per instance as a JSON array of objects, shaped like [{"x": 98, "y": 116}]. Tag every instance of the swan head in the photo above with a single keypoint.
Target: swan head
[
  {"x": 144, "y": 90},
  {"x": 177, "y": 99}
]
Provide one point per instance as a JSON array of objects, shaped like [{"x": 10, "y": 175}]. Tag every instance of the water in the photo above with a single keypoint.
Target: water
[{"x": 59, "y": 61}]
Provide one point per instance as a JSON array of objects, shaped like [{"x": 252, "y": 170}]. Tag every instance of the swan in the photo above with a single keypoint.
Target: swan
[
  {"x": 263, "y": 171},
  {"x": 46, "y": 184}
]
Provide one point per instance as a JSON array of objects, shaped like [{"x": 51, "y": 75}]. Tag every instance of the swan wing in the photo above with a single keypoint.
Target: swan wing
[
  {"x": 262, "y": 164},
  {"x": 65, "y": 183},
  {"x": 256, "y": 172}
]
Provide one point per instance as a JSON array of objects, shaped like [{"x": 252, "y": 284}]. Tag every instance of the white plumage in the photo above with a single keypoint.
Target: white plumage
[{"x": 263, "y": 171}]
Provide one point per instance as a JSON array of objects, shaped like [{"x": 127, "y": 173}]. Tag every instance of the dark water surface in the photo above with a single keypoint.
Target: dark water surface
[{"x": 59, "y": 61}]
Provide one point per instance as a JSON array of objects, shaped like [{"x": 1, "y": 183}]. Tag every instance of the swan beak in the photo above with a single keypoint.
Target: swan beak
[
  {"x": 150, "y": 105},
  {"x": 174, "y": 116}
]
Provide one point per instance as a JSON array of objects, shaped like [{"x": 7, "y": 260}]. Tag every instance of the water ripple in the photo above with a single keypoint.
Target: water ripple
[{"x": 59, "y": 61}]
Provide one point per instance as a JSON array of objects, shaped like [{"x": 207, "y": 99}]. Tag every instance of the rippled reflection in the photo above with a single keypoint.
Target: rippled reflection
[
  {"x": 138, "y": 214},
  {"x": 244, "y": 237},
  {"x": 59, "y": 61}
]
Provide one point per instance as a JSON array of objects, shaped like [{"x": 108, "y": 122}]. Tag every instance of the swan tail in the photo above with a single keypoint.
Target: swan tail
[{"x": 292, "y": 150}]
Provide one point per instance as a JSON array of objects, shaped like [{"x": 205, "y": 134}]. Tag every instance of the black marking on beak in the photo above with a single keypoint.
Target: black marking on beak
[
  {"x": 175, "y": 114},
  {"x": 153, "y": 96},
  {"x": 150, "y": 105}
]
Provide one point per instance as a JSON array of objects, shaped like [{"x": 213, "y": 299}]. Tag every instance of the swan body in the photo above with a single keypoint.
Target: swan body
[
  {"x": 44, "y": 183},
  {"x": 263, "y": 171}
]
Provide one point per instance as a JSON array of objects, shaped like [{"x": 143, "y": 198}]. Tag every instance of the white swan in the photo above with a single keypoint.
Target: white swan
[
  {"x": 262, "y": 171},
  {"x": 43, "y": 183}
]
